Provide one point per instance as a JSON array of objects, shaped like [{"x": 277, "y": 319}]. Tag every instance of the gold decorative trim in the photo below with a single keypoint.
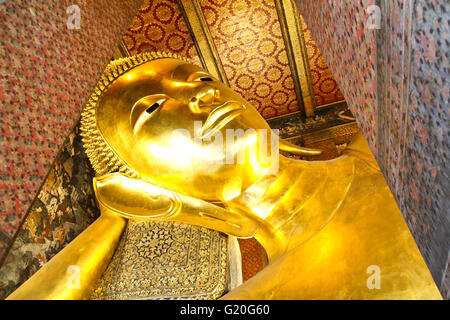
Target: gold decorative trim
[
  {"x": 340, "y": 134},
  {"x": 207, "y": 52},
  {"x": 296, "y": 50},
  {"x": 329, "y": 105},
  {"x": 305, "y": 59},
  {"x": 102, "y": 157},
  {"x": 163, "y": 260}
]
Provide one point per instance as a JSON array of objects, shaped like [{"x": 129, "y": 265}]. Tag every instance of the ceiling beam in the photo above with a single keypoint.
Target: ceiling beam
[
  {"x": 296, "y": 50},
  {"x": 207, "y": 52}
]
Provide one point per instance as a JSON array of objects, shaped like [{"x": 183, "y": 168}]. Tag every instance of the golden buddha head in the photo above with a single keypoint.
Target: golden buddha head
[{"x": 160, "y": 118}]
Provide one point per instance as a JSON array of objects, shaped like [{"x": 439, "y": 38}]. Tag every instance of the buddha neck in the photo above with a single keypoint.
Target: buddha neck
[{"x": 296, "y": 202}]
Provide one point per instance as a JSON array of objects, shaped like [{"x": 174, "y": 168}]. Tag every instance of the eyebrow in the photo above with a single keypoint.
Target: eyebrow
[{"x": 187, "y": 68}]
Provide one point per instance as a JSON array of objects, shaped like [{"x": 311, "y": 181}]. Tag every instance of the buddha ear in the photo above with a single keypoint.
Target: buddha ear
[{"x": 297, "y": 150}]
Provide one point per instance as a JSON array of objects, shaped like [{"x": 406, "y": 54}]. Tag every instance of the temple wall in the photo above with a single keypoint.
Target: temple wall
[
  {"x": 63, "y": 208},
  {"x": 392, "y": 78},
  {"x": 46, "y": 75},
  {"x": 395, "y": 81}
]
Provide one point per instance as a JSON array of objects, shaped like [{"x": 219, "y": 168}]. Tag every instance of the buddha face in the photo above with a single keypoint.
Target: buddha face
[{"x": 178, "y": 126}]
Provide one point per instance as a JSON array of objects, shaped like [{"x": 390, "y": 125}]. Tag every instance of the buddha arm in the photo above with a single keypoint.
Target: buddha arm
[
  {"x": 368, "y": 231},
  {"x": 139, "y": 200},
  {"x": 87, "y": 256}
]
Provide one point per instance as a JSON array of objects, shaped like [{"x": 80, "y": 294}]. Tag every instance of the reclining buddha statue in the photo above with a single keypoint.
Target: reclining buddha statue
[{"x": 171, "y": 143}]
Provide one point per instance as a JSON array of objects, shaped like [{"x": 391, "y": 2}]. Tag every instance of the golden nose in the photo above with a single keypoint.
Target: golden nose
[
  {"x": 207, "y": 97},
  {"x": 203, "y": 99}
]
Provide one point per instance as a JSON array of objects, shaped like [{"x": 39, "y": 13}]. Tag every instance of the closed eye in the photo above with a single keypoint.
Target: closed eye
[
  {"x": 205, "y": 79},
  {"x": 153, "y": 107},
  {"x": 141, "y": 112}
]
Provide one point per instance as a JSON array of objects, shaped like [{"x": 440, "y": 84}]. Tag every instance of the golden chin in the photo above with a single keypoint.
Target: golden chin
[{"x": 331, "y": 229}]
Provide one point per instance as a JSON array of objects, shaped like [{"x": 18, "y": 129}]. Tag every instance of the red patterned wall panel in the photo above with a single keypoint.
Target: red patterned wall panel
[
  {"x": 254, "y": 257},
  {"x": 159, "y": 26},
  {"x": 47, "y": 72},
  {"x": 248, "y": 38},
  {"x": 325, "y": 87}
]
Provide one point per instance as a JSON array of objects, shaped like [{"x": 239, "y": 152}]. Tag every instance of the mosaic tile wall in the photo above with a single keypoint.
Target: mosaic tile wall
[
  {"x": 47, "y": 72},
  {"x": 64, "y": 207},
  {"x": 395, "y": 80},
  {"x": 338, "y": 29},
  {"x": 423, "y": 182}
]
